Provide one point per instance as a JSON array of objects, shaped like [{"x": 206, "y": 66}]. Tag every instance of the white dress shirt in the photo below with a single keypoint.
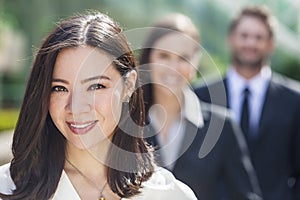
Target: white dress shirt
[
  {"x": 161, "y": 185},
  {"x": 257, "y": 86}
]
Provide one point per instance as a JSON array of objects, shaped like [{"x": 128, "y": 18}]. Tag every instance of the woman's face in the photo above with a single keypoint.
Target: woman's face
[
  {"x": 173, "y": 61},
  {"x": 87, "y": 95}
]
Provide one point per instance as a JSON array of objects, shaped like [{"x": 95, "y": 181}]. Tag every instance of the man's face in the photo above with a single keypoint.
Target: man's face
[{"x": 250, "y": 43}]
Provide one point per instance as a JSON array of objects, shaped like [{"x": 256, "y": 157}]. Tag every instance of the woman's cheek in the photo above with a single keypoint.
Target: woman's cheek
[{"x": 117, "y": 105}]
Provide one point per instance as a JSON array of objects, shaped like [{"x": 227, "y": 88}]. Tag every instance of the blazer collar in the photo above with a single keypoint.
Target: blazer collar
[
  {"x": 192, "y": 109},
  {"x": 65, "y": 189}
]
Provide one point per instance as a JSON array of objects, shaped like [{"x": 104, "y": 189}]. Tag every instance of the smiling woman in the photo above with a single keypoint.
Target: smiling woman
[
  {"x": 78, "y": 73},
  {"x": 79, "y": 133}
]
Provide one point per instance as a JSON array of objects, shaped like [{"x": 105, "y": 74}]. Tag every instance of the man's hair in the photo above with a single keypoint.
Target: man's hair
[{"x": 262, "y": 13}]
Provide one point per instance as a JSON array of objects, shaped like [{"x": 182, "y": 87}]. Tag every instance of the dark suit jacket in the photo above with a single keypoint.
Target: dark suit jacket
[
  {"x": 227, "y": 162},
  {"x": 275, "y": 152}
]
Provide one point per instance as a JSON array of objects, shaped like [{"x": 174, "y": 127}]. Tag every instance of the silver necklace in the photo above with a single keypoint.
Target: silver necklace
[{"x": 92, "y": 183}]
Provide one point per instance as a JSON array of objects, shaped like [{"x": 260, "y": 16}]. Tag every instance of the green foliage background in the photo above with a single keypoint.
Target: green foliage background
[
  {"x": 35, "y": 18},
  {"x": 8, "y": 118}
]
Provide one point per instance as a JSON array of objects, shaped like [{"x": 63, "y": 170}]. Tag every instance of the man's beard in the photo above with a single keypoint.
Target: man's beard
[{"x": 253, "y": 64}]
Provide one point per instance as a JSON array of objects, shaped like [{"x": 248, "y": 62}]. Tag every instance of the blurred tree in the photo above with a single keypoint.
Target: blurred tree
[
  {"x": 286, "y": 64},
  {"x": 36, "y": 18}
]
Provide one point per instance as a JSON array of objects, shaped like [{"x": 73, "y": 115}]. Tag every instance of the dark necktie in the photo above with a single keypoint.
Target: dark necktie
[{"x": 245, "y": 112}]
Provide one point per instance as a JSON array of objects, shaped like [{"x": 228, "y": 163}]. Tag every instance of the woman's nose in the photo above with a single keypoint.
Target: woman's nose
[
  {"x": 78, "y": 103},
  {"x": 174, "y": 63}
]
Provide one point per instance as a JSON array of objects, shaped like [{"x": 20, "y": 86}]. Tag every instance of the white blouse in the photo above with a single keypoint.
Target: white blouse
[{"x": 161, "y": 185}]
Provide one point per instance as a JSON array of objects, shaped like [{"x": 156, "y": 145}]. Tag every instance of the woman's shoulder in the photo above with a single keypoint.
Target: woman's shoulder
[
  {"x": 6, "y": 183},
  {"x": 163, "y": 185}
]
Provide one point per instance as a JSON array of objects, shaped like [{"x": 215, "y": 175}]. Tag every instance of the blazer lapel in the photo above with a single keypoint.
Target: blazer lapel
[
  {"x": 190, "y": 133},
  {"x": 217, "y": 93},
  {"x": 267, "y": 110},
  {"x": 226, "y": 91}
]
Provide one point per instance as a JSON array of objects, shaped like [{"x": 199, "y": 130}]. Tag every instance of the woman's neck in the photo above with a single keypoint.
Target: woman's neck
[
  {"x": 87, "y": 171},
  {"x": 170, "y": 102},
  {"x": 167, "y": 109},
  {"x": 91, "y": 163}
]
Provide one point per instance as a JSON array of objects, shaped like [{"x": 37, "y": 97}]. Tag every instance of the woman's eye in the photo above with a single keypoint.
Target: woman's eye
[
  {"x": 184, "y": 58},
  {"x": 59, "y": 89},
  {"x": 96, "y": 86},
  {"x": 163, "y": 56}
]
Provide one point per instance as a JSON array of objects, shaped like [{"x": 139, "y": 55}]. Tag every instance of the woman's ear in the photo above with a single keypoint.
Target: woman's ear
[
  {"x": 195, "y": 61},
  {"x": 130, "y": 81}
]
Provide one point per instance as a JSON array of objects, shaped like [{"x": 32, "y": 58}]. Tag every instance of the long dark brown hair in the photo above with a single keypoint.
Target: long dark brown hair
[{"x": 38, "y": 146}]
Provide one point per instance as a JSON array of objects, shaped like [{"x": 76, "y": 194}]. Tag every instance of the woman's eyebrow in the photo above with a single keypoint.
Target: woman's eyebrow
[
  {"x": 95, "y": 78},
  {"x": 60, "y": 80}
]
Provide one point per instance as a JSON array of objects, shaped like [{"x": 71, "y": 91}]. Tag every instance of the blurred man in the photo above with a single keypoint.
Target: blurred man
[{"x": 266, "y": 104}]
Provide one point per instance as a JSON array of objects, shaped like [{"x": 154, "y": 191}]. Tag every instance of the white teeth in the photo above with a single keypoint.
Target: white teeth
[{"x": 80, "y": 126}]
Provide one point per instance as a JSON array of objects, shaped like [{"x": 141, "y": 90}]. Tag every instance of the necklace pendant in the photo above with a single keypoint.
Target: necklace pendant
[{"x": 102, "y": 198}]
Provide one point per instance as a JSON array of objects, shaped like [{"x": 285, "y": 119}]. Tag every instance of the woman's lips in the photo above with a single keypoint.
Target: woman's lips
[{"x": 81, "y": 128}]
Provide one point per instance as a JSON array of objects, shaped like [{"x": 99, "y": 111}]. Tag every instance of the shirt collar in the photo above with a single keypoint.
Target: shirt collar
[
  {"x": 65, "y": 189},
  {"x": 191, "y": 104},
  {"x": 256, "y": 84}
]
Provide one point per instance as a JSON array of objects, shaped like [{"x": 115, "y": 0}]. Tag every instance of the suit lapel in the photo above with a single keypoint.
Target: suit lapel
[
  {"x": 190, "y": 133},
  {"x": 226, "y": 91},
  {"x": 267, "y": 109}
]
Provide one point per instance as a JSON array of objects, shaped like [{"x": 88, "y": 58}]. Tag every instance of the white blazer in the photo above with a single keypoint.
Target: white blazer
[{"x": 161, "y": 185}]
